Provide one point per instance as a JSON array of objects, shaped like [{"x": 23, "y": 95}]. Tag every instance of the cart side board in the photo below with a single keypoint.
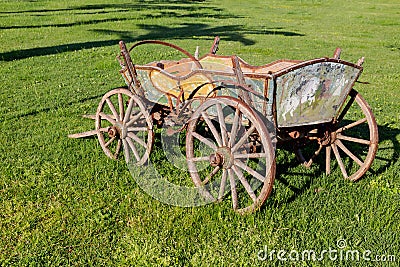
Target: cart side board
[{"x": 313, "y": 92}]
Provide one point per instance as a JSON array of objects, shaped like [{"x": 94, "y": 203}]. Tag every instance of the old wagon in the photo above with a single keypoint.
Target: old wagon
[{"x": 234, "y": 115}]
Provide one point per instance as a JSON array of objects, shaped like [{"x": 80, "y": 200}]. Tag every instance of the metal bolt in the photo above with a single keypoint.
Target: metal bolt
[
  {"x": 112, "y": 132},
  {"x": 216, "y": 160}
]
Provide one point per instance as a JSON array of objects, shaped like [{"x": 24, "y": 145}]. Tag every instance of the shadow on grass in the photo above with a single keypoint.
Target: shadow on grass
[
  {"x": 78, "y": 23},
  {"x": 186, "y": 31},
  {"x": 47, "y": 109},
  {"x": 142, "y": 5},
  {"x": 157, "y": 11},
  {"x": 388, "y": 153},
  {"x": 151, "y": 9}
]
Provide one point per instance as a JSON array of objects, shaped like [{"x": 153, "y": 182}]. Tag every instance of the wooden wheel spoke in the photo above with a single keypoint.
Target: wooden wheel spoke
[
  {"x": 243, "y": 149},
  {"x": 353, "y": 139},
  {"x": 134, "y": 150},
  {"x": 339, "y": 160},
  {"x": 107, "y": 117},
  {"x": 198, "y": 159},
  {"x": 112, "y": 108},
  {"x": 135, "y": 118},
  {"x": 110, "y": 141},
  {"x": 129, "y": 110},
  {"x": 235, "y": 128},
  {"x": 204, "y": 140},
  {"x": 223, "y": 184},
  {"x": 121, "y": 107},
  {"x": 212, "y": 128},
  {"x": 348, "y": 152},
  {"x": 137, "y": 139},
  {"x": 351, "y": 125},
  {"x": 88, "y": 133},
  {"x": 233, "y": 189},
  {"x": 118, "y": 148},
  {"x": 211, "y": 175},
  {"x": 249, "y": 170},
  {"x": 311, "y": 160},
  {"x": 250, "y": 156},
  {"x": 245, "y": 183},
  {"x": 103, "y": 130},
  {"x": 126, "y": 151},
  {"x": 222, "y": 124},
  {"x": 328, "y": 160},
  {"x": 137, "y": 129},
  {"x": 243, "y": 138}
]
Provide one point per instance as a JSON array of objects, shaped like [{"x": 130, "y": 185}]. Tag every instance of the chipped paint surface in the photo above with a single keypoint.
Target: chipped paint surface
[
  {"x": 177, "y": 80},
  {"x": 313, "y": 93},
  {"x": 308, "y": 92}
]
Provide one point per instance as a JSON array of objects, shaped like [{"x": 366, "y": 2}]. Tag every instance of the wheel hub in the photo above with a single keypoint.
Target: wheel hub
[
  {"x": 222, "y": 158},
  {"x": 216, "y": 160},
  {"x": 328, "y": 137},
  {"x": 112, "y": 132},
  {"x": 117, "y": 130}
]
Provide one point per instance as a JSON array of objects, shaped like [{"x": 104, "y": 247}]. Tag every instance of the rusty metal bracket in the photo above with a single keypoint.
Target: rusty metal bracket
[
  {"x": 214, "y": 47},
  {"x": 137, "y": 88},
  {"x": 241, "y": 81}
]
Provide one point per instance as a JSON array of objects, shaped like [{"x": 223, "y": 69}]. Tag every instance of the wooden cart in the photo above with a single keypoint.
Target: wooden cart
[{"x": 235, "y": 114}]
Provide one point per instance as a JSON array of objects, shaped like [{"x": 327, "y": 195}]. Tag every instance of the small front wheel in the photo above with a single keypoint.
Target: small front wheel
[
  {"x": 228, "y": 148},
  {"x": 122, "y": 119}
]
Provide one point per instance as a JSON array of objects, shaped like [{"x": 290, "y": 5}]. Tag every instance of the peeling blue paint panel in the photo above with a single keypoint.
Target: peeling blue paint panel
[
  {"x": 313, "y": 93},
  {"x": 257, "y": 100}
]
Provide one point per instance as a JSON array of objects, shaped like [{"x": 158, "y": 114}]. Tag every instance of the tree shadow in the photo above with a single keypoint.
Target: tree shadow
[
  {"x": 194, "y": 14},
  {"x": 191, "y": 31},
  {"x": 151, "y": 9},
  {"x": 13, "y": 116},
  {"x": 142, "y": 6},
  {"x": 234, "y": 33},
  {"x": 77, "y": 23}
]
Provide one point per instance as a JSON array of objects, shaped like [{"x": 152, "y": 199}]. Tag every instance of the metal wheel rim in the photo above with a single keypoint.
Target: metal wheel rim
[{"x": 372, "y": 142}]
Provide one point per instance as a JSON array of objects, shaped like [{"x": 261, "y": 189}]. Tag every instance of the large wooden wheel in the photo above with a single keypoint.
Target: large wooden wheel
[
  {"x": 123, "y": 120},
  {"x": 351, "y": 141},
  {"x": 228, "y": 148}
]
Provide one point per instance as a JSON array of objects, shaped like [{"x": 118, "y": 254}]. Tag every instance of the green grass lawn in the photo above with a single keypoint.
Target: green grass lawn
[{"x": 64, "y": 203}]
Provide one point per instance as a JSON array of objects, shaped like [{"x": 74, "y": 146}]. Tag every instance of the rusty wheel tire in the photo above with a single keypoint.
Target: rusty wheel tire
[
  {"x": 352, "y": 153},
  {"x": 122, "y": 120},
  {"x": 221, "y": 150}
]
